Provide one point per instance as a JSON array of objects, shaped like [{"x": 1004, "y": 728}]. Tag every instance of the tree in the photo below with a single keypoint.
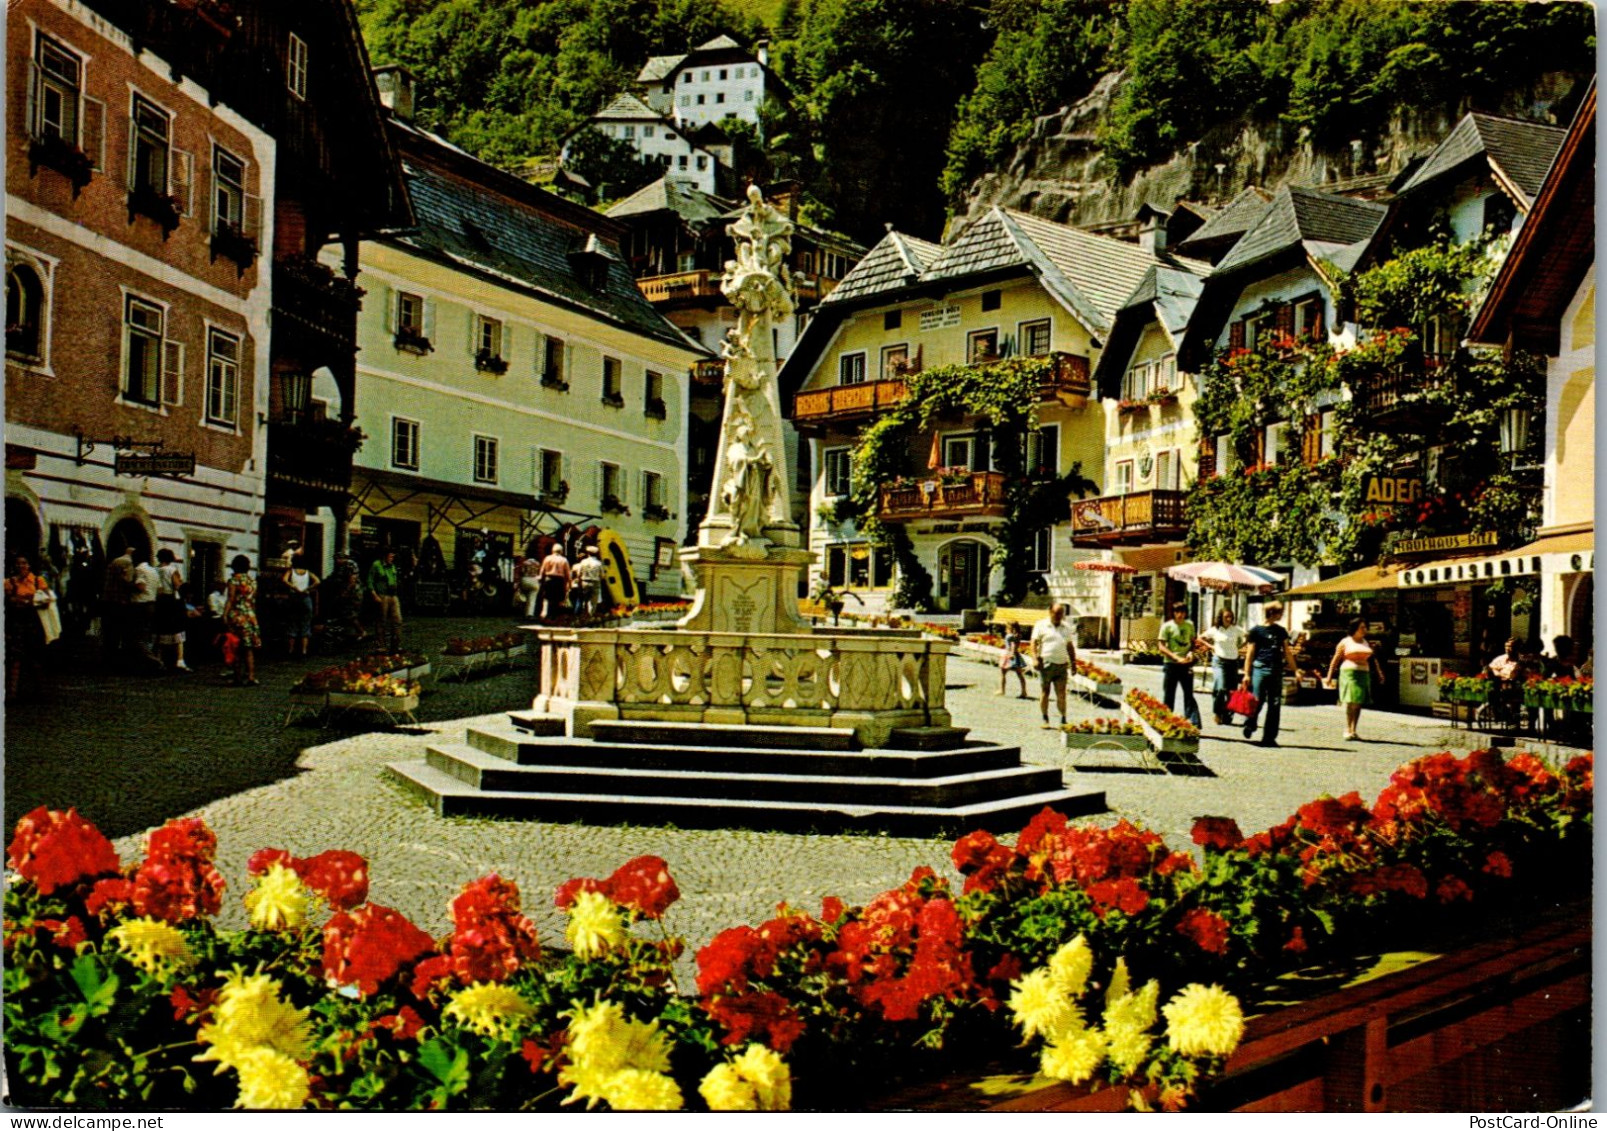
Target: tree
[{"x": 613, "y": 167}]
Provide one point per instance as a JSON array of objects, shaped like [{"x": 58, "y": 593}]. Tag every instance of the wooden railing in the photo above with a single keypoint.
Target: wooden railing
[
  {"x": 981, "y": 494},
  {"x": 842, "y": 401},
  {"x": 681, "y": 285},
  {"x": 811, "y": 288},
  {"x": 1070, "y": 377},
  {"x": 1383, "y": 394},
  {"x": 1142, "y": 516}
]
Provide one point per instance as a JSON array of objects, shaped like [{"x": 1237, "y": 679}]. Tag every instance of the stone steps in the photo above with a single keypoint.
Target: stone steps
[
  {"x": 702, "y": 734},
  {"x": 450, "y": 796}
]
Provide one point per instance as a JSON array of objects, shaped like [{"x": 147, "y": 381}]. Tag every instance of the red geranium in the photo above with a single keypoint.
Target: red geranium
[
  {"x": 369, "y": 945},
  {"x": 340, "y": 877},
  {"x": 1217, "y": 833},
  {"x": 564, "y": 897},
  {"x": 52, "y": 849},
  {"x": 644, "y": 885},
  {"x": 433, "y": 973},
  {"x": 764, "y": 1017},
  {"x": 491, "y": 939},
  {"x": 1207, "y": 929},
  {"x": 183, "y": 838},
  {"x": 177, "y": 889},
  {"x": 982, "y": 860},
  {"x": 1122, "y": 895}
]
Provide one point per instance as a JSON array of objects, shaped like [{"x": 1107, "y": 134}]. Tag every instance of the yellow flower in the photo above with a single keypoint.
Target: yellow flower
[
  {"x": 1040, "y": 1006},
  {"x": 1069, "y": 966},
  {"x": 724, "y": 1089},
  {"x": 1127, "y": 1023},
  {"x": 153, "y": 946},
  {"x": 610, "y": 1057},
  {"x": 250, "y": 1014},
  {"x": 1073, "y": 1056},
  {"x": 595, "y": 925},
  {"x": 1119, "y": 982},
  {"x": 279, "y": 902},
  {"x": 637, "y": 1089},
  {"x": 270, "y": 1080},
  {"x": 769, "y": 1075},
  {"x": 1204, "y": 1021},
  {"x": 488, "y": 1008}
]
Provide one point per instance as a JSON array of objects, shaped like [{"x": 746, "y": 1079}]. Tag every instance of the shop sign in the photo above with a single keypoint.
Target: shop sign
[
  {"x": 1446, "y": 542},
  {"x": 21, "y": 459},
  {"x": 939, "y": 318},
  {"x": 1388, "y": 489},
  {"x": 177, "y": 464}
]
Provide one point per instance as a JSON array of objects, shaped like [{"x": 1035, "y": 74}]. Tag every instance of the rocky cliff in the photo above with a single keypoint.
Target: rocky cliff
[{"x": 1061, "y": 172}]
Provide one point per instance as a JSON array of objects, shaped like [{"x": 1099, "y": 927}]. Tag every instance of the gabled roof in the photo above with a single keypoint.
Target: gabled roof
[
  {"x": 1327, "y": 227},
  {"x": 896, "y": 261},
  {"x": 627, "y": 107},
  {"x": 1235, "y": 218},
  {"x": 479, "y": 219},
  {"x": 1168, "y": 293},
  {"x": 667, "y": 195},
  {"x": 1517, "y": 153},
  {"x": 718, "y": 43},
  {"x": 659, "y": 67},
  {"x": 1093, "y": 274}
]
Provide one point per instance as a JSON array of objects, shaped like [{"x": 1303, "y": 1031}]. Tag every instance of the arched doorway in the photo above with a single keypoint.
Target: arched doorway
[
  {"x": 22, "y": 531},
  {"x": 962, "y": 569},
  {"x": 1581, "y": 621},
  {"x": 128, "y": 532}
]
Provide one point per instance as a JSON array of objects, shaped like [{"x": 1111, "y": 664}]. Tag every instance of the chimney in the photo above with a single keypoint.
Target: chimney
[
  {"x": 395, "y": 86},
  {"x": 1152, "y": 235},
  {"x": 762, "y": 50}
]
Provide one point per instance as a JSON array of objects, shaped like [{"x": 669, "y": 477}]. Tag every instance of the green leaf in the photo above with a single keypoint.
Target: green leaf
[
  {"x": 447, "y": 1063},
  {"x": 1324, "y": 918},
  {"x": 98, "y": 987}
]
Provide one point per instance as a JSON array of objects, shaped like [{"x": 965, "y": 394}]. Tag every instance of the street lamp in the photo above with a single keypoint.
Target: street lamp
[{"x": 1514, "y": 430}]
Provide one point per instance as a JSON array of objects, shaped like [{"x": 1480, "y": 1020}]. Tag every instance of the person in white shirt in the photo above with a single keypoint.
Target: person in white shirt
[
  {"x": 1226, "y": 638},
  {"x": 142, "y": 608},
  {"x": 1054, "y": 652}
]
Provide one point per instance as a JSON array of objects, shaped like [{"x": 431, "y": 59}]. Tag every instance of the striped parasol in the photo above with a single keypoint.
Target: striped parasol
[{"x": 1226, "y": 576}]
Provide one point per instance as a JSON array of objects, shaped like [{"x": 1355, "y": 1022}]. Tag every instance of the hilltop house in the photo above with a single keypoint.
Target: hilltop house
[
  {"x": 716, "y": 80},
  {"x": 691, "y": 154}
]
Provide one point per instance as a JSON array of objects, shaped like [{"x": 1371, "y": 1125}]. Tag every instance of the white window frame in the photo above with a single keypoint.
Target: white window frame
[
  {"x": 1272, "y": 443},
  {"x": 155, "y": 404},
  {"x": 1165, "y": 373},
  {"x": 41, "y": 79},
  {"x": 1035, "y": 448},
  {"x": 170, "y": 152},
  {"x": 487, "y": 455},
  {"x": 541, "y": 484},
  {"x": 296, "y": 66},
  {"x": 1136, "y": 383},
  {"x": 604, "y": 468},
  {"x": 650, "y": 480},
  {"x": 416, "y": 441},
  {"x": 969, "y": 440},
  {"x": 828, "y": 480},
  {"x": 45, "y": 268},
  {"x": 402, "y": 326},
  {"x": 1041, "y": 551},
  {"x": 1023, "y": 329},
  {"x": 901, "y": 349},
  {"x": 975, "y": 336},
  {"x": 843, "y": 367},
  {"x": 222, "y": 381},
  {"x": 1168, "y": 470},
  {"x": 488, "y": 336},
  {"x": 1124, "y": 477}
]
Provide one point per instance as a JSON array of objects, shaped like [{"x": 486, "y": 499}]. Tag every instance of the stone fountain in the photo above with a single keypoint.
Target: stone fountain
[{"x": 743, "y": 712}]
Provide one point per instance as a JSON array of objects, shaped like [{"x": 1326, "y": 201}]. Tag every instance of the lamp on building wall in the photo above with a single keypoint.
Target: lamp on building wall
[
  {"x": 298, "y": 394},
  {"x": 1514, "y": 430}
]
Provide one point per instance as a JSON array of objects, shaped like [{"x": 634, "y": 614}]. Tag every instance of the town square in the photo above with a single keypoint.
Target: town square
[{"x": 763, "y": 555}]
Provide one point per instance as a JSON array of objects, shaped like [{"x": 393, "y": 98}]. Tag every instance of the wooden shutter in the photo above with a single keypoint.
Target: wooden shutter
[
  {"x": 1236, "y": 335},
  {"x": 251, "y": 217},
  {"x": 429, "y": 319},
  {"x": 569, "y": 363},
  {"x": 386, "y": 297},
  {"x": 172, "y": 372},
  {"x": 1207, "y": 458},
  {"x": 1311, "y": 440},
  {"x": 1259, "y": 456},
  {"x": 181, "y": 180},
  {"x": 93, "y": 132},
  {"x": 1284, "y": 320}
]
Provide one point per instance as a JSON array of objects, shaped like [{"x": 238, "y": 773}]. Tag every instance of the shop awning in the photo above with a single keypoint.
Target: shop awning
[
  {"x": 1365, "y": 580},
  {"x": 1556, "y": 553}
]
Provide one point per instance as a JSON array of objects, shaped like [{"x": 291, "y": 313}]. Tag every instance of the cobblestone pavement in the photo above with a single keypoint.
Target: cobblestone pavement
[{"x": 131, "y": 753}]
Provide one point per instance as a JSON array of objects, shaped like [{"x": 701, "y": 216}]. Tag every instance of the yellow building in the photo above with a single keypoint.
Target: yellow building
[
  {"x": 513, "y": 381},
  {"x": 1009, "y": 285}
]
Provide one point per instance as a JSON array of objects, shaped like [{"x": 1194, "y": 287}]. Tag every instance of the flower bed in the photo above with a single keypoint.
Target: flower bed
[
  {"x": 1108, "y": 733},
  {"x": 1166, "y": 732},
  {"x": 505, "y": 642},
  {"x": 1141, "y": 652},
  {"x": 1114, "y": 959},
  {"x": 1465, "y": 689},
  {"x": 1097, "y": 680},
  {"x": 1566, "y": 693}
]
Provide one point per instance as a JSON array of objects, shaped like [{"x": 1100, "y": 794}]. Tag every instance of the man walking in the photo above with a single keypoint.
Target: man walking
[
  {"x": 141, "y": 622},
  {"x": 1054, "y": 653},
  {"x": 382, "y": 584},
  {"x": 588, "y": 581},
  {"x": 1263, "y": 666},
  {"x": 554, "y": 583},
  {"x": 1177, "y": 669}
]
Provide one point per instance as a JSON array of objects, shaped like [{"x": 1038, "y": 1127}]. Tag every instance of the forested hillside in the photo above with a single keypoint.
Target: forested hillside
[{"x": 898, "y": 106}]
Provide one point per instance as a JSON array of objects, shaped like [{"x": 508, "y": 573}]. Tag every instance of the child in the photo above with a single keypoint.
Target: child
[{"x": 1013, "y": 661}]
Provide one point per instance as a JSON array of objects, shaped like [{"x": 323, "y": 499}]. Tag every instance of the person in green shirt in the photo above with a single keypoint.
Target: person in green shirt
[
  {"x": 1177, "y": 670},
  {"x": 382, "y": 584}
]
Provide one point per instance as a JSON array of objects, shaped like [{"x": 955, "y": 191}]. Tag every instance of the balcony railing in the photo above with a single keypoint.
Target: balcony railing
[
  {"x": 810, "y": 287},
  {"x": 681, "y": 286},
  {"x": 981, "y": 494},
  {"x": 1386, "y": 394},
  {"x": 312, "y": 459},
  {"x": 314, "y": 298},
  {"x": 1069, "y": 380},
  {"x": 1145, "y": 516},
  {"x": 846, "y": 402}
]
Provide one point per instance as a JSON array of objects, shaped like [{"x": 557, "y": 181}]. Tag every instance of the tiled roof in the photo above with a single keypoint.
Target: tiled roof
[
  {"x": 1520, "y": 151},
  {"x": 896, "y": 261},
  {"x": 658, "y": 67},
  {"x": 1174, "y": 291},
  {"x": 1321, "y": 222},
  {"x": 530, "y": 249},
  {"x": 1237, "y": 216},
  {"x": 1100, "y": 270},
  {"x": 667, "y": 195},
  {"x": 719, "y": 43},
  {"x": 628, "y": 107}
]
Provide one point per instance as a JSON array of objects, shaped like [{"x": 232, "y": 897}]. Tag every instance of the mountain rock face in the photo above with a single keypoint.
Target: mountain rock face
[{"x": 1061, "y": 173}]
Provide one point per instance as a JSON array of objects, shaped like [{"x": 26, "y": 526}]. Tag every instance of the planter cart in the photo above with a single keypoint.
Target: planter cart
[
  {"x": 1158, "y": 743},
  {"x": 307, "y": 704},
  {"x": 392, "y": 707},
  {"x": 1134, "y": 747},
  {"x": 1091, "y": 688}
]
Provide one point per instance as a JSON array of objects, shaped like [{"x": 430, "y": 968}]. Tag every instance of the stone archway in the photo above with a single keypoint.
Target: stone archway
[
  {"x": 126, "y": 532},
  {"x": 24, "y": 534}
]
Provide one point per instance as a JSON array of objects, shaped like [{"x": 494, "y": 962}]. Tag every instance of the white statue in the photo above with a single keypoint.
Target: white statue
[{"x": 749, "y": 484}]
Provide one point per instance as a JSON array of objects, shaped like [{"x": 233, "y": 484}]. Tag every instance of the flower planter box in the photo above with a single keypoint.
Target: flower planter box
[
  {"x": 392, "y": 707},
  {"x": 1132, "y": 742},
  {"x": 1157, "y": 741},
  {"x": 1108, "y": 690}
]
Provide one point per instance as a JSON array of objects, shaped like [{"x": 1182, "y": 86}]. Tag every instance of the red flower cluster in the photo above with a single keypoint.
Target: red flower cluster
[
  {"x": 1207, "y": 929},
  {"x": 491, "y": 938},
  {"x": 906, "y": 948},
  {"x": 1462, "y": 792},
  {"x": 369, "y": 945},
  {"x": 52, "y": 849},
  {"x": 643, "y": 885},
  {"x": 340, "y": 877},
  {"x": 1218, "y": 833},
  {"x": 176, "y": 881},
  {"x": 739, "y": 956},
  {"x": 982, "y": 860}
]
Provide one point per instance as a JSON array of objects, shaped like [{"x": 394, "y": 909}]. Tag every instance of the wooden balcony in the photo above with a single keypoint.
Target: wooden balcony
[
  {"x": 708, "y": 371},
  {"x": 846, "y": 402},
  {"x": 1069, "y": 382},
  {"x": 811, "y": 288},
  {"x": 683, "y": 286},
  {"x": 316, "y": 301},
  {"x": 1388, "y": 398},
  {"x": 982, "y": 495},
  {"x": 311, "y": 460},
  {"x": 1144, "y": 516}
]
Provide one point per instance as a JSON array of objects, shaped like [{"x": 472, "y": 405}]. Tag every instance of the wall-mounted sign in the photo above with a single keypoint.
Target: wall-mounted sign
[
  {"x": 1394, "y": 489},
  {"x": 939, "y": 318},
  {"x": 176, "y": 464},
  {"x": 1446, "y": 542}
]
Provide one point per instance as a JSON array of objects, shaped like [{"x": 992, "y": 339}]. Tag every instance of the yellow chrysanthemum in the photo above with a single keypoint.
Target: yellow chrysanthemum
[
  {"x": 1120, "y": 982},
  {"x": 1069, "y": 966},
  {"x": 154, "y": 946},
  {"x": 279, "y": 902},
  {"x": 250, "y": 1014},
  {"x": 769, "y": 1075},
  {"x": 1127, "y": 1023},
  {"x": 637, "y": 1089},
  {"x": 1041, "y": 1007},
  {"x": 595, "y": 925},
  {"x": 1074, "y": 1056},
  {"x": 488, "y": 1008},
  {"x": 724, "y": 1089},
  {"x": 603, "y": 1045},
  {"x": 270, "y": 1081},
  {"x": 1204, "y": 1021}
]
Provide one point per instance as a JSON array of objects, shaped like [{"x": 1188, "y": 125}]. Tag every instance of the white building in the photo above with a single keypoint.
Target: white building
[
  {"x": 716, "y": 80},
  {"x": 661, "y": 141}
]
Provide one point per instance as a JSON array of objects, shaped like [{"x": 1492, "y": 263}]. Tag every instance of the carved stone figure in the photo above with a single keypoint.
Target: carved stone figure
[{"x": 749, "y": 484}]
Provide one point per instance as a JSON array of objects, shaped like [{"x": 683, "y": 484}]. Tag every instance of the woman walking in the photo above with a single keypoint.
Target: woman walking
[
  {"x": 301, "y": 583},
  {"x": 170, "y": 615},
  {"x": 25, "y": 593},
  {"x": 240, "y": 619},
  {"x": 1355, "y": 662},
  {"x": 1013, "y": 661},
  {"x": 1226, "y": 639}
]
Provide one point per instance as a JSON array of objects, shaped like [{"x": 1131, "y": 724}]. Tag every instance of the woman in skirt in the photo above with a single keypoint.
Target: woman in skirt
[
  {"x": 1013, "y": 661},
  {"x": 1355, "y": 662}
]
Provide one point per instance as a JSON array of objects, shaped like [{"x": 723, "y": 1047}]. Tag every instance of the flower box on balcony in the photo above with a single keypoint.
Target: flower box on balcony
[
  {"x": 410, "y": 341},
  {"x": 158, "y": 206},
  {"x": 655, "y": 513},
  {"x": 231, "y": 242},
  {"x": 58, "y": 153},
  {"x": 554, "y": 382},
  {"x": 656, "y": 408},
  {"x": 614, "y": 400},
  {"x": 613, "y": 504},
  {"x": 487, "y": 362},
  {"x": 557, "y": 493}
]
